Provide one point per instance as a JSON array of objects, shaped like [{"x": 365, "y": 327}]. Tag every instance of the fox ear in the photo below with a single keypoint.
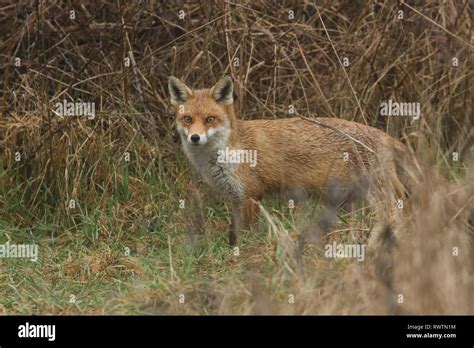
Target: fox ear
[
  {"x": 223, "y": 91},
  {"x": 179, "y": 92}
]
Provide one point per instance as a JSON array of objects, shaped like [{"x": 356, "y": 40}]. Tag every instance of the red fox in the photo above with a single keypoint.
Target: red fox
[{"x": 248, "y": 160}]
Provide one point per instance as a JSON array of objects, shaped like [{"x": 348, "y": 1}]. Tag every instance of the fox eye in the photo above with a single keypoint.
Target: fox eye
[
  {"x": 210, "y": 119},
  {"x": 187, "y": 119}
]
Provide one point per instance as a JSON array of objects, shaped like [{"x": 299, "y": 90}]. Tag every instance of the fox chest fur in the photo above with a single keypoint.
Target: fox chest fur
[{"x": 220, "y": 176}]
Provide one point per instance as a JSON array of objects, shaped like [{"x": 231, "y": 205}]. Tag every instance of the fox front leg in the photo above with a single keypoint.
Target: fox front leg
[
  {"x": 244, "y": 216},
  {"x": 249, "y": 213},
  {"x": 234, "y": 225}
]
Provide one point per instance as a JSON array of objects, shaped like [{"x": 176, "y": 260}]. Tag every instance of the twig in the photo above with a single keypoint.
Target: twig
[{"x": 337, "y": 130}]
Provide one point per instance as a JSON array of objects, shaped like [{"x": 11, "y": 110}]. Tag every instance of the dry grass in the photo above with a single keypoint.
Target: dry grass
[{"x": 128, "y": 248}]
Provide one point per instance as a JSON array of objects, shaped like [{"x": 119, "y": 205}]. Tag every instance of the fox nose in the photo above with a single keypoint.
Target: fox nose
[{"x": 195, "y": 138}]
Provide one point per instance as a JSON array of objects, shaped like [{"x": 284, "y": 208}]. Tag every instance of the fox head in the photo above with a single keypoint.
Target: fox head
[{"x": 203, "y": 116}]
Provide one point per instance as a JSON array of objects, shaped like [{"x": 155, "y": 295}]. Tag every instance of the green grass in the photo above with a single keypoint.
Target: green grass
[
  {"x": 127, "y": 248},
  {"x": 100, "y": 259},
  {"x": 96, "y": 256}
]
